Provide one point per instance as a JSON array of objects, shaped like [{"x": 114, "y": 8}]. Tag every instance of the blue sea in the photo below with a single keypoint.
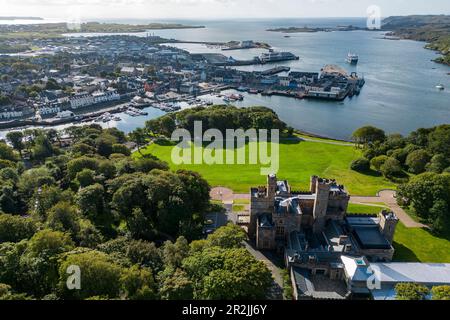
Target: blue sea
[{"x": 399, "y": 95}]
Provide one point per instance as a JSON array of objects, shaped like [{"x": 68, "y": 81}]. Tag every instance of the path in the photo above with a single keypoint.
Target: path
[
  {"x": 388, "y": 197},
  {"x": 276, "y": 292},
  {"x": 337, "y": 143}
]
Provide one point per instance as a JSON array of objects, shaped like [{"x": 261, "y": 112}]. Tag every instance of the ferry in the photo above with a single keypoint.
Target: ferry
[
  {"x": 352, "y": 58},
  {"x": 274, "y": 56}
]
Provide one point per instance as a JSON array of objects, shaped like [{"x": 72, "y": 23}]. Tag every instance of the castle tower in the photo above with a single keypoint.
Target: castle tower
[
  {"x": 388, "y": 223},
  {"x": 271, "y": 186},
  {"x": 313, "y": 184},
  {"x": 322, "y": 193}
]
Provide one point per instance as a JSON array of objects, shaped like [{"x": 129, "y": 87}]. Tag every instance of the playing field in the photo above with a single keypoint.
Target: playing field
[{"x": 298, "y": 160}]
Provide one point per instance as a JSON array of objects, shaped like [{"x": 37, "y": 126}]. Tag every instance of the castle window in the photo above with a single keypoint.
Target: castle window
[{"x": 280, "y": 231}]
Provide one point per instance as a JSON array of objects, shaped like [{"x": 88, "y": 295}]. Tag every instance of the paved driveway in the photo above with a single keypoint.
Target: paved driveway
[{"x": 388, "y": 197}]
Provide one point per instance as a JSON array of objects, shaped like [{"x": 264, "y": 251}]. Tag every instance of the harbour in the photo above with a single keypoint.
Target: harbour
[{"x": 400, "y": 92}]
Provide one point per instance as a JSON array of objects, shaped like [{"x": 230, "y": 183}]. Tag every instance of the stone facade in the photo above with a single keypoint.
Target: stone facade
[{"x": 314, "y": 230}]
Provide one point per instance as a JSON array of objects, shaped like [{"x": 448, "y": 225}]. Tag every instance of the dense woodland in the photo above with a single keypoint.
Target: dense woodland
[
  {"x": 131, "y": 225},
  {"x": 420, "y": 162}
]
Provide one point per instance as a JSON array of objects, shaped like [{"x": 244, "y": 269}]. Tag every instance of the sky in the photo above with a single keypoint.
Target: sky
[{"x": 214, "y": 9}]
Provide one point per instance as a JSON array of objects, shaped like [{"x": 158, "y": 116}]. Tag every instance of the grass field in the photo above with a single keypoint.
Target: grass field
[
  {"x": 298, "y": 162},
  {"x": 413, "y": 244},
  {"x": 361, "y": 208},
  {"x": 419, "y": 245},
  {"x": 238, "y": 207}
]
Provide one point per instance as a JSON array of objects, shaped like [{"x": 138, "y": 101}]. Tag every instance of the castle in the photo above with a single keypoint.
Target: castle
[{"x": 314, "y": 230}]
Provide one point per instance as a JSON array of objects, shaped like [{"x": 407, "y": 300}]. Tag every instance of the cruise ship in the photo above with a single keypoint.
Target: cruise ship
[
  {"x": 274, "y": 56},
  {"x": 352, "y": 58}
]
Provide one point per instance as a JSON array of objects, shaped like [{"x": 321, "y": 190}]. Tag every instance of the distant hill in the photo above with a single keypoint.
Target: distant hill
[
  {"x": 21, "y": 18},
  {"x": 434, "y": 29}
]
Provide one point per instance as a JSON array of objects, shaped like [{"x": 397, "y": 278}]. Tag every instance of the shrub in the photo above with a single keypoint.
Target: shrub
[
  {"x": 360, "y": 165},
  {"x": 377, "y": 162},
  {"x": 411, "y": 291},
  {"x": 417, "y": 160},
  {"x": 391, "y": 168}
]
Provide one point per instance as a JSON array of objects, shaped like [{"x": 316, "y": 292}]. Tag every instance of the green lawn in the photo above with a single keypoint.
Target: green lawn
[
  {"x": 413, "y": 244},
  {"x": 419, "y": 245},
  {"x": 298, "y": 162},
  {"x": 238, "y": 207},
  {"x": 364, "y": 209},
  {"x": 241, "y": 201}
]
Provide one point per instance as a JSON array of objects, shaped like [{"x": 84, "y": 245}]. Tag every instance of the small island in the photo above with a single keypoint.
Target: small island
[
  {"x": 296, "y": 30},
  {"x": 307, "y": 29}
]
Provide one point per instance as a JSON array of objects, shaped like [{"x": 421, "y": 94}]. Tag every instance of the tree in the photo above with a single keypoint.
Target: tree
[
  {"x": 38, "y": 266},
  {"x": 139, "y": 226},
  {"x": 441, "y": 293},
  {"x": 45, "y": 198},
  {"x": 43, "y": 147},
  {"x": 438, "y": 163},
  {"x": 229, "y": 236},
  {"x": 377, "y": 162},
  {"x": 86, "y": 177},
  {"x": 90, "y": 201},
  {"x": 138, "y": 283},
  {"x": 391, "y": 168},
  {"x": 120, "y": 148},
  {"x": 77, "y": 165},
  {"x": 16, "y": 228},
  {"x": 145, "y": 254},
  {"x": 139, "y": 136},
  {"x": 64, "y": 217},
  {"x": 360, "y": 165},
  {"x": 104, "y": 145},
  {"x": 4, "y": 290},
  {"x": 100, "y": 276},
  {"x": 227, "y": 274},
  {"x": 16, "y": 140},
  {"x": 176, "y": 286},
  {"x": 417, "y": 160},
  {"x": 439, "y": 140},
  {"x": 368, "y": 134},
  {"x": 8, "y": 199},
  {"x": 174, "y": 253},
  {"x": 411, "y": 291},
  {"x": 424, "y": 191},
  {"x": 399, "y": 154},
  {"x": 7, "y": 153},
  {"x": 33, "y": 179},
  {"x": 440, "y": 216}
]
